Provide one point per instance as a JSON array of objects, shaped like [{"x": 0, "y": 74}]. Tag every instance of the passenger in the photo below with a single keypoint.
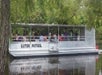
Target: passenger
[
  {"x": 41, "y": 38},
  {"x": 45, "y": 38},
  {"x": 20, "y": 38},
  {"x": 75, "y": 36},
  {"x": 78, "y": 38},
  {"x": 16, "y": 37},
  {"x": 49, "y": 37},
  {"x": 60, "y": 38},
  {"x": 55, "y": 37},
  {"x": 65, "y": 36},
  {"x": 33, "y": 37},
  {"x": 24, "y": 38}
]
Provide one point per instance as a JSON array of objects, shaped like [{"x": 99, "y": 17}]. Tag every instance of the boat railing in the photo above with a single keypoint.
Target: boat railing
[
  {"x": 29, "y": 38},
  {"x": 48, "y": 38}
]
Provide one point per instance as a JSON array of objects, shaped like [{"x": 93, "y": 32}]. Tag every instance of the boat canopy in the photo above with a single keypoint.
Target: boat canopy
[{"x": 57, "y": 25}]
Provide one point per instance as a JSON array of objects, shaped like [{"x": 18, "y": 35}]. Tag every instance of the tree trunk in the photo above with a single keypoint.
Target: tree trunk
[{"x": 4, "y": 32}]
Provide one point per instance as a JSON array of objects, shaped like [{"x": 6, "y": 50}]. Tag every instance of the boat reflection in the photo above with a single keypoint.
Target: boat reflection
[{"x": 66, "y": 65}]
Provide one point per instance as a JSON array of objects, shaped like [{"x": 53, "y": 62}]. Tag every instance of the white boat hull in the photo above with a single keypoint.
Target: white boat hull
[{"x": 21, "y": 49}]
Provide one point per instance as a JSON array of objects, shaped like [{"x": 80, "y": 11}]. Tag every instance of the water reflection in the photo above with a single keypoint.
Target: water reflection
[{"x": 66, "y": 65}]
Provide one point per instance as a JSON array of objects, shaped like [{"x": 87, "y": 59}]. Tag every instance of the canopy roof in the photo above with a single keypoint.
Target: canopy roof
[{"x": 46, "y": 25}]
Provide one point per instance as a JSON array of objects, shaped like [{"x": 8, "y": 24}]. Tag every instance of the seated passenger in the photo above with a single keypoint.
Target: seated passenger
[
  {"x": 32, "y": 38},
  {"x": 65, "y": 36},
  {"x": 50, "y": 37},
  {"x": 16, "y": 37},
  {"x": 20, "y": 38},
  {"x": 41, "y": 38},
  {"x": 24, "y": 38},
  {"x": 78, "y": 38},
  {"x": 60, "y": 38},
  {"x": 45, "y": 38},
  {"x": 55, "y": 37}
]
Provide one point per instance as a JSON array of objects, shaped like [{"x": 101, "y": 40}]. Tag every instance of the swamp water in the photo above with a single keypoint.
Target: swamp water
[{"x": 60, "y": 65}]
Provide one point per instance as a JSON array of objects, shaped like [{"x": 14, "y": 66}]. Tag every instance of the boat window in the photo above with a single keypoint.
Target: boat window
[
  {"x": 20, "y": 33},
  {"x": 53, "y": 33},
  {"x": 70, "y": 33},
  {"x": 39, "y": 33},
  {"x": 48, "y": 33}
]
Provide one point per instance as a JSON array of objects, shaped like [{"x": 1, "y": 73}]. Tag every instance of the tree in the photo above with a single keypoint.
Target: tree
[
  {"x": 94, "y": 13},
  {"x": 58, "y": 11},
  {"x": 4, "y": 32}
]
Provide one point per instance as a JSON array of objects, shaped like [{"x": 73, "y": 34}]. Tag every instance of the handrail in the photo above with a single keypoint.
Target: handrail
[{"x": 47, "y": 38}]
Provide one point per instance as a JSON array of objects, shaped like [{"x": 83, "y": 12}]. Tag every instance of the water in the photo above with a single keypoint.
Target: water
[
  {"x": 54, "y": 66},
  {"x": 60, "y": 65}
]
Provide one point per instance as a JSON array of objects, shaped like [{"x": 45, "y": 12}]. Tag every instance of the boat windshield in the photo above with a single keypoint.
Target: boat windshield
[{"x": 45, "y": 33}]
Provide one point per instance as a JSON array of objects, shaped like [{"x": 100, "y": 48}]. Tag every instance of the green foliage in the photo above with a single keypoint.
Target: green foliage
[
  {"x": 88, "y": 12},
  {"x": 94, "y": 13},
  {"x": 99, "y": 65}
]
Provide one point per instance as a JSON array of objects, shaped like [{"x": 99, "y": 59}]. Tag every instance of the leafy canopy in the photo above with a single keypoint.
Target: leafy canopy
[{"x": 88, "y": 12}]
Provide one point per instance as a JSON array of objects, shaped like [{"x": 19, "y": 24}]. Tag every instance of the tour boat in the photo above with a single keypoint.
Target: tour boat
[{"x": 50, "y": 39}]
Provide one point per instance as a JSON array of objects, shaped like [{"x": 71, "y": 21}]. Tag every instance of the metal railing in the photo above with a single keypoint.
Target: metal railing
[{"x": 48, "y": 38}]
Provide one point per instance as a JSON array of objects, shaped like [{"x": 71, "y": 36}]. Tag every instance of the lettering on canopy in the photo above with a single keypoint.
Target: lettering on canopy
[{"x": 30, "y": 45}]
